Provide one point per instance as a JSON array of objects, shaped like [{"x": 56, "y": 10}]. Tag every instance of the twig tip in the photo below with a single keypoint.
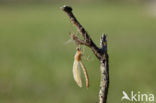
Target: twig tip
[
  {"x": 103, "y": 37},
  {"x": 66, "y": 8}
]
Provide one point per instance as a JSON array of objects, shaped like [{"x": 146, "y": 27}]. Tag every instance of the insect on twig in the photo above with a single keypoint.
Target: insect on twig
[
  {"x": 76, "y": 69},
  {"x": 100, "y": 53}
]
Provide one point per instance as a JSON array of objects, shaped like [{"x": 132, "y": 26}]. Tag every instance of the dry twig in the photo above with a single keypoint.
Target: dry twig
[{"x": 100, "y": 53}]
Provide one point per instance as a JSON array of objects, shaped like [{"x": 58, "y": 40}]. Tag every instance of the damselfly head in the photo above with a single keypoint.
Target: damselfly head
[{"x": 78, "y": 54}]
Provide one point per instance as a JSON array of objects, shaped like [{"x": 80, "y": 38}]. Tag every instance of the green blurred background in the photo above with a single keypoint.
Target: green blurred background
[{"x": 36, "y": 63}]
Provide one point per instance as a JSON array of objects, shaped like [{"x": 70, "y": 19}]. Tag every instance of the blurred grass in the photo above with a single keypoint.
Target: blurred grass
[{"x": 36, "y": 66}]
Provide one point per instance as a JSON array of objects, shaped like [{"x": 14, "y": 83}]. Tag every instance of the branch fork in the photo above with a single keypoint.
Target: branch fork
[{"x": 100, "y": 53}]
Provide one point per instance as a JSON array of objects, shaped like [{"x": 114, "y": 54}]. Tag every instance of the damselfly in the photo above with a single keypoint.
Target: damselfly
[{"x": 76, "y": 69}]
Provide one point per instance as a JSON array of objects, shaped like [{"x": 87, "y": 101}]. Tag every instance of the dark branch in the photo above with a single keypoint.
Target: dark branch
[
  {"x": 104, "y": 84},
  {"x": 103, "y": 43},
  {"x": 68, "y": 10},
  {"x": 83, "y": 32}
]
